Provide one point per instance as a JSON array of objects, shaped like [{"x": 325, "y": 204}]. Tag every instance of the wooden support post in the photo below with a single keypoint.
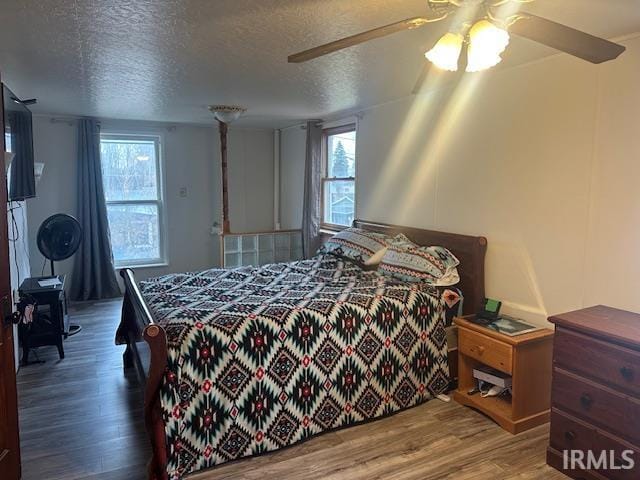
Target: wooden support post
[{"x": 226, "y": 226}]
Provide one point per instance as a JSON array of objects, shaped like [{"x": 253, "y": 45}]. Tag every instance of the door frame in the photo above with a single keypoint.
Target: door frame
[{"x": 9, "y": 427}]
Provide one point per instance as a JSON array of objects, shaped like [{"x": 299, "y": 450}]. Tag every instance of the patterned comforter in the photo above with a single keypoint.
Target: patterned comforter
[{"x": 261, "y": 358}]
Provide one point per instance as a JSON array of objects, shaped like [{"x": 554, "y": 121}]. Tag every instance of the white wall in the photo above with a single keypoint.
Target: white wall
[
  {"x": 18, "y": 256},
  {"x": 54, "y": 145},
  {"x": 542, "y": 159},
  {"x": 250, "y": 159},
  {"x": 192, "y": 160},
  {"x": 613, "y": 262},
  {"x": 292, "y": 157}
]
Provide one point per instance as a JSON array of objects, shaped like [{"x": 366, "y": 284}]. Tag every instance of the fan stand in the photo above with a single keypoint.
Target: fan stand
[{"x": 73, "y": 329}]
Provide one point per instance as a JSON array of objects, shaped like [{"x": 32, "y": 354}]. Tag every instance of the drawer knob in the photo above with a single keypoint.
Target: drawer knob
[
  {"x": 569, "y": 436},
  {"x": 627, "y": 373},
  {"x": 480, "y": 349},
  {"x": 585, "y": 400}
]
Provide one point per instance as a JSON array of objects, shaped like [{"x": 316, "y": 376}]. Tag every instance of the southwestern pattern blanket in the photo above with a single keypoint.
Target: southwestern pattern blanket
[{"x": 262, "y": 358}]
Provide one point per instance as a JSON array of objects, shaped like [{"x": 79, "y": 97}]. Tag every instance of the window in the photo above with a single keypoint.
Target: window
[
  {"x": 339, "y": 176},
  {"x": 133, "y": 190}
]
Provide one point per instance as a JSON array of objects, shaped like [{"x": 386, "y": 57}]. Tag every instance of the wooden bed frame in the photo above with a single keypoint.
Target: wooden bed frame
[{"x": 138, "y": 324}]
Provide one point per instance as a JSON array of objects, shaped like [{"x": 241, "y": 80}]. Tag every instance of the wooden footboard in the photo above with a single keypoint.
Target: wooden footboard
[{"x": 137, "y": 324}]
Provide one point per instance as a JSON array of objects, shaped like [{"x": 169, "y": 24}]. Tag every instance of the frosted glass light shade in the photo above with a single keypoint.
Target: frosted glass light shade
[
  {"x": 227, "y": 114},
  {"x": 446, "y": 53},
  {"x": 486, "y": 43}
]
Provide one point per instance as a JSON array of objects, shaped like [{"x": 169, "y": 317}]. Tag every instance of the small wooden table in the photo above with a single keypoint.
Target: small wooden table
[
  {"x": 527, "y": 358},
  {"x": 42, "y": 333}
]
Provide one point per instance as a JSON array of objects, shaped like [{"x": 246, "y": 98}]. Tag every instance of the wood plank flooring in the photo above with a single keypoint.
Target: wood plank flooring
[{"x": 81, "y": 418}]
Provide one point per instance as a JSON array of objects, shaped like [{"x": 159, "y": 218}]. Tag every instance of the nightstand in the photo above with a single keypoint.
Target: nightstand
[
  {"x": 527, "y": 358},
  {"x": 41, "y": 333}
]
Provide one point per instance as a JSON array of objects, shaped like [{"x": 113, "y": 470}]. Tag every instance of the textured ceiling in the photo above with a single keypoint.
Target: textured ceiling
[{"x": 166, "y": 60}]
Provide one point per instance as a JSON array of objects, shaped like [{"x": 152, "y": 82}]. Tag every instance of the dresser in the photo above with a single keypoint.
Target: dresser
[{"x": 595, "y": 394}]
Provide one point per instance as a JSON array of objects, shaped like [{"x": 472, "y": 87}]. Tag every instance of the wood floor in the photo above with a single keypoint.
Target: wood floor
[{"x": 81, "y": 418}]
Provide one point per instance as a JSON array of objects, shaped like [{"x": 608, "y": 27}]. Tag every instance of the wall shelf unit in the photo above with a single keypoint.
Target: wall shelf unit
[{"x": 261, "y": 248}]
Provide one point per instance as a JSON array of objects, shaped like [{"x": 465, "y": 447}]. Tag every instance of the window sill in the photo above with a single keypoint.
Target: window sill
[
  {"x": 141, "y": 265},
  {"x": 332, "y": 229}
]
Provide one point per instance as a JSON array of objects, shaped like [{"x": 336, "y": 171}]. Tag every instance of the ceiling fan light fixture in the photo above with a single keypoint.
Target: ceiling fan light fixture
[
  {"x": 486, "y": 43},
  {"x": 446, "y": 53},
  {"x": 227, "y": 113},
  {"x": 480, "y": 61}
]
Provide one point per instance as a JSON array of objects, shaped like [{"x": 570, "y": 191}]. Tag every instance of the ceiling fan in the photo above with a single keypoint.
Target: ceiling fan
[{"x": 484, "y": 27}]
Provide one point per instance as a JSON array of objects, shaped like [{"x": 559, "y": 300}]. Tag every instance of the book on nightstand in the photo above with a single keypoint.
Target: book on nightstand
[{"x": 508, "y": 325}]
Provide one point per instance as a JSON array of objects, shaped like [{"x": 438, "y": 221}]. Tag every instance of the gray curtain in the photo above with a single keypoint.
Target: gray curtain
[
  {"x": 312, "y": 208},
  {"x": 94, "y": 276}
]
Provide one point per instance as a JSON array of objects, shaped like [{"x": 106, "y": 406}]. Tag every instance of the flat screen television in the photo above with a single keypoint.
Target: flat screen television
[{"x": 18, "y": 139}]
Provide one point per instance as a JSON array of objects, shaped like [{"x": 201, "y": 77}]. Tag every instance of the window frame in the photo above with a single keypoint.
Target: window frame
[
  {"x": 158, "y": 139},
  {"x": 325, "y": 179}
]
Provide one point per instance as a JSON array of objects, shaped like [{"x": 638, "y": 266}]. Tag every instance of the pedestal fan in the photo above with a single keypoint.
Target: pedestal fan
[{"x": 59, "y": 238}]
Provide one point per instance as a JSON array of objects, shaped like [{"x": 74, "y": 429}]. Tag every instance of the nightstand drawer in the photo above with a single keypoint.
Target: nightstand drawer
[
  {"x": 609, "y": 363},
  {"x": 486, "y": 350},
  {"x": 595, "y": 403}
]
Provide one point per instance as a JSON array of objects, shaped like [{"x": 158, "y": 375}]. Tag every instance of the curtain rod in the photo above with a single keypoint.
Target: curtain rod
[
  {"x": 317, "y": 124},
  {"x": 68, "y": 120},
  {"x": 71, "y": 121},
  {"x": 303, "y": 126}
]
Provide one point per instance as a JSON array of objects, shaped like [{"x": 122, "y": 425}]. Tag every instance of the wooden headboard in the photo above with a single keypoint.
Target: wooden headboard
[{"x": 469, "y": 250}]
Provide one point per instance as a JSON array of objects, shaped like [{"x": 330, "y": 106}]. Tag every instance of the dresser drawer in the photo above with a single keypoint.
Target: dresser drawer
[
  {"x": 556, "y": 460},
  {"x": 570, "y": 433},
  {"x": 608, "y": 444},
  {"x": 598, "y": 404},
  {"x": 614, "y": 365},
  {"x": 486, "y": 350}
]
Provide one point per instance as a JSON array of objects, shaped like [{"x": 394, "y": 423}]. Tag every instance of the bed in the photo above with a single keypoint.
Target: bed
[{"x": 251, "y": 360}]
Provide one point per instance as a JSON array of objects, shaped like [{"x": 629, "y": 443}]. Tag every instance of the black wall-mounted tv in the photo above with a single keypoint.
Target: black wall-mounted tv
[{"x": 18, "y": 139}]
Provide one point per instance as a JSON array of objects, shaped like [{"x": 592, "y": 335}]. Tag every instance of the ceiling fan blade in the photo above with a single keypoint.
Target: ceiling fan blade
[
  {"x": 566, "y": 39},
  {"x": 422, "y": 76},
  {"x": 408, "y": 24}
]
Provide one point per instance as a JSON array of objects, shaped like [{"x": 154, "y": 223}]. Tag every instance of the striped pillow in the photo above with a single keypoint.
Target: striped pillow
[
  {"x": 355, "y": 244},
  {"x": 411, "y": 263}
]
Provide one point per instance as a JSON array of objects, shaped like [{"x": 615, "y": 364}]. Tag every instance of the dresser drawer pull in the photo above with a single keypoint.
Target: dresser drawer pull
[
  {"x": 627, "y": 373},
  {"x": 569, "y": 436},
  {"x": 586, "y": 401},
  {"x": 478, "y": 348}
]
